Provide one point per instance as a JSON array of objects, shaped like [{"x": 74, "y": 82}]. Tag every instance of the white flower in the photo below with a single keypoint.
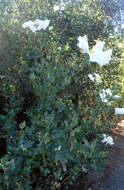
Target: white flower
[
  {"x": 97, "y": 54},
  {"x": 119, "y": 111},
  {"x": 103, "y": 95},
  {"x": 96, "y": 77},
  {"x": 99, "y": 46},
  {"x": 107, "y": 140},
  {"x": 110, "y": 140},
  {"x": 41, "y": 24},
  {"x": 83, "y": 44},
  {"x": 91, "y": 77},
  {"x": 29, "y": 24},
  {"x": 56, "y": 8},
  {"x": 36, "y": 25},
  {"x": 108, "y": 91}
]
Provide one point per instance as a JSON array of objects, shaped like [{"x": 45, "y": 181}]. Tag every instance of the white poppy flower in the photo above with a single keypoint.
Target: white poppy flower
[
  {"x": 107, "y": 140},
  {"x": 83, "y": 44},
  {"x": 99, "y": 46},
  {"x": 103, "y": 95},
  {"x": 29, "y": 24},
  {"x": 110, "y": 140},
  {"x": 97, "y": 54},
  {"x": 41, "y": 24},
  {"x": 36, "y": 25}
]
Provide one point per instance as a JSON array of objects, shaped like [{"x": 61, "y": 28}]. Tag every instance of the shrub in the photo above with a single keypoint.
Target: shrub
[{"x": 62, "y": 135}]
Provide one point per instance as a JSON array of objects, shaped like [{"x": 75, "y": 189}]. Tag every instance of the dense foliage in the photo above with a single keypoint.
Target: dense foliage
[{"x": 53, "y": 117}]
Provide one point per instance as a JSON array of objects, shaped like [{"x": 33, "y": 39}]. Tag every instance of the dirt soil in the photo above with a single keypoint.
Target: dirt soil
[{"x": 113, "y": 174}]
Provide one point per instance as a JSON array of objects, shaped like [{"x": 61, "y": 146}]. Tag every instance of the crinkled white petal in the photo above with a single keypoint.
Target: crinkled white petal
[
  {"x": 95, "y": 77},
  {"x": 108, "y": 91},
  {"x": 99, "y": 46},
  {"x": 36, "y": 25},
  {"x": 91, "y": 77},
  {"x": 99, "y": 56},
  {"x": 46, "y": 23},
  {"x": 103, "y": 95},
  {"x": 107, "y": 140},
  {"x": 41, "y": 24},
  {"x": 83, "y": 44},
  {"x": 33, "y": 29},
  {"x": 107, "y": 56},
  {"x": 110, "y": 140},
  {"x": 27, "y": 24}
]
